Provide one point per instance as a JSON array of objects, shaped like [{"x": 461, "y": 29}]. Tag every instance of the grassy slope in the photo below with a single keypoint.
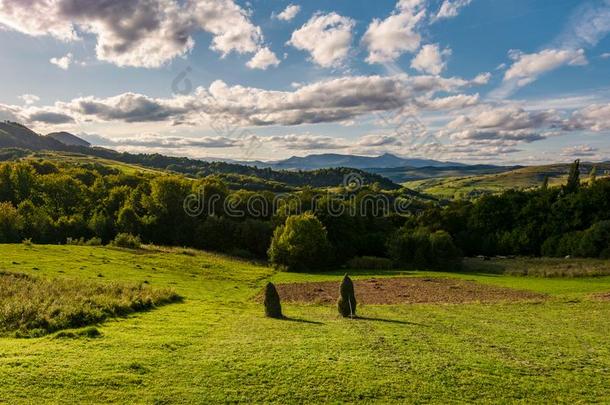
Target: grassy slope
[
  {"x": 74, "y": 158},
  {"x": 524, "y": 178},
  {"x": 216, "y": 346}
]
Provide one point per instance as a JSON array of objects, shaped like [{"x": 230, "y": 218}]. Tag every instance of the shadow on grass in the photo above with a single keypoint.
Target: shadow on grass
[
  {"x": 396, "y": 321},
  {"x": 286, "y": 318}
]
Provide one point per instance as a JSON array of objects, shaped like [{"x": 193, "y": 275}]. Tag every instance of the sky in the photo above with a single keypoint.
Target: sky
[{"x": 474, "y": 81}]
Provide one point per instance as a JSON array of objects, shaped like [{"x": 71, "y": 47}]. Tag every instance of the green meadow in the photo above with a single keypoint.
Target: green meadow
[{"x": 215, "y": 345}]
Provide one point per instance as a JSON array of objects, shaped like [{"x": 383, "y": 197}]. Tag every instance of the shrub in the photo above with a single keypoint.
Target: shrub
[
  {"x": 11, "y": 223},
  {"x": 95, "y": 241},
  {"x": 301, "y": 244},
  {"x": 595, "y": 240},
  {"x": 273, "y": 307},
  {"x": 421, "y": 248},
  {"x": 444, "y": 253},
  {"x": 347, "y": 298},
  {"x": 128, "y": 241},
  {"x": 370, "y": 263}
]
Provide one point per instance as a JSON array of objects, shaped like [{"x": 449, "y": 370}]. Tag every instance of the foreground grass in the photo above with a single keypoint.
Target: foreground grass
[
  {"x": 35, "y": 306},
  {"x": 217, "y": 346}
]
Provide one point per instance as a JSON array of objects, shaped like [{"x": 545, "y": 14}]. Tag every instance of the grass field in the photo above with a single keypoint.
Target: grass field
[
  {"x": 459, "y": 187},
  {"x": 216, "y": 346}
]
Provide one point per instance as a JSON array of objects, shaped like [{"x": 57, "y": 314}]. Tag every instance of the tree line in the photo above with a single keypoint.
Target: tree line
[{"x": 52, "y": 203}]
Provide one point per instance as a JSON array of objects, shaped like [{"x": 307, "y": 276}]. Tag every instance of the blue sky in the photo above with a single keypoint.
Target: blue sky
[{"x": 521, "y": 81}]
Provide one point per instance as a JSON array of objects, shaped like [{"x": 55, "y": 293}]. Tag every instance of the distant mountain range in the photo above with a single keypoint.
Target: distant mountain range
[{"x": 333, "y": 160}]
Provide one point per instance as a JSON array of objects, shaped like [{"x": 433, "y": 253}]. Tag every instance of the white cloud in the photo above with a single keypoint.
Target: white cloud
[
  {"x": 161, "y": 141},
  {"x": 605, "y": 55},
  {"x": 327, "y": 37},
  {"x": 140, "y": 33},
  {"x": 29, "y": 99},
  {"x": 289, "y": 13},
  {"x": 263, "y": 59},
  {"x": 334, "y": 100},
  {"x": 431, "y": 59},
  {"x": 588, "y": 25},
  {"x": 388, "y": 39},
  {"x": 64, "y": 62},
  {"x": 450, "y": 8},
  {"x": 579, "y": 151},
  {"x": 502, "y": 126},
  {"x": 528, "y": 67},
  {"x": 307, "y": 142},
  {"x": 593, "y": 118}
]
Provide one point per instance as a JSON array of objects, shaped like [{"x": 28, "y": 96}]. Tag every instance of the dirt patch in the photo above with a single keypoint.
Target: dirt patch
[
  {"x": 602, "y": 296},
  {"x": 412, "y": 290}
]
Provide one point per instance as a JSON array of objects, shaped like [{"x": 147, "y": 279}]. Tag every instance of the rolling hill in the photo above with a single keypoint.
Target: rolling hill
[
  {"x": 17, "y": 140},
  {"x": 405, "y": 174},
  {"x": 68, "y": 139},
  {"x": 454, "y": 187},
  {"x": 13, "y": 135}
]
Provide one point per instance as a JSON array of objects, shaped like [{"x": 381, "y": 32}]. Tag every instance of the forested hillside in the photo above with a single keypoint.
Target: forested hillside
[{"x": 51, "y": 203}]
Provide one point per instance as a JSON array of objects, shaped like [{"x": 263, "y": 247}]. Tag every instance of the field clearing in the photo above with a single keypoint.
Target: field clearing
[
  {"x": 216, "y": 346},
  {"x": 406, "y": 290},
  {"x": 465, "y": 187},
  {"x": 78, "y": 159}
]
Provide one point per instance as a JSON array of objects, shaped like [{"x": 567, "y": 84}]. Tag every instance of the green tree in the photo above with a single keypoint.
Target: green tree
[
  {"x": 593, "y": 174},
  {"x": 11, "y": 223},
  {"x": 300, "y": 244},
  {"x": 573, "y": 178},
  {"x": 128, "y": 221}
]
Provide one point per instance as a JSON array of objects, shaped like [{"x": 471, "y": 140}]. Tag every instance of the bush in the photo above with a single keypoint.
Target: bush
[
  {"x": 273, "y": 307},
  {"x": 595, "y": 240},
  {"x": 128, "y": 241},
  {"x": 347, "y": 298},
  {"x": 421, "y": 248},
  {"x": 301, "y": 244},
  {"x": 95, "y": 241},
  {"x": 11, "y": 223},
  {"x": 370, "y": 263}
]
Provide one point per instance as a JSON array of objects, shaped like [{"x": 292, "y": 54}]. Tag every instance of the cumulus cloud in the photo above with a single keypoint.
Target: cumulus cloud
[
  {"x": 450, "y": 9},
  {"x": 49, "y": 117},
  {"x": 307, "y": 142},
  {"x": 140, "y": 33},
  {"x": 263, "y": 59},
  {"x": 528, "y": 67},
  {"x": 592, "y": 118},
  {"x": 507, "y": 125},
  {"x": 327, "y": 38},
  {"x": 587, "y": 25},
  {"x": 579, "y": 151},
  {"x": 333, "y": 100},
  {"x": 63, "y": 62},
  {"x": 431, "y": 59},
  {"x": 29, "y": 99},
  {"x": 289, "y": 13},
  {"x": 387, "y": 39},
  {"x": 163, "y": 142},
  {"x": 605, "y": 55}
]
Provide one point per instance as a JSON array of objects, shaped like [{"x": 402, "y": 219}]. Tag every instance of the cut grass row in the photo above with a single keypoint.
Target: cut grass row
[{"x": 33, "y": 306}]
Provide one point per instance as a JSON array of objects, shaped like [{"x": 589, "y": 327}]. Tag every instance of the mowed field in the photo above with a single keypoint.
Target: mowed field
[
  {"x": 216, "y": 345},
  {"x": 472, "y": 186}
]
